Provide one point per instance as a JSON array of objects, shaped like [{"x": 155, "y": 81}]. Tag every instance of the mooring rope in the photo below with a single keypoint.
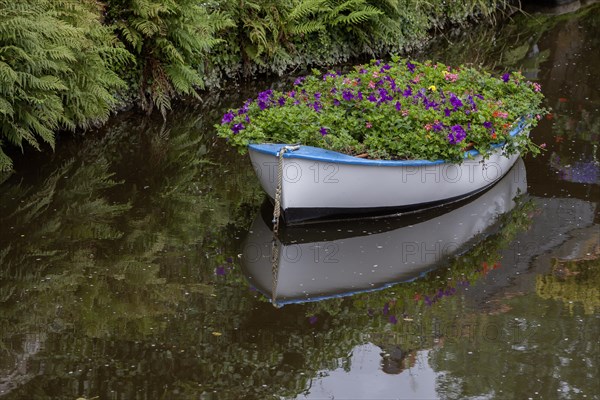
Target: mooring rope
[
  {"x": 275, "y": 245},
  {"x": 278, "y": 190}
]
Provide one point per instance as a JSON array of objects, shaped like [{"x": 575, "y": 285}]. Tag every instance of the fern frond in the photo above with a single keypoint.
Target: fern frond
[
  {"x": 307, "y": 27},
  {"x": 357, "y": 17},
  {"x": 305, "y": 9}
]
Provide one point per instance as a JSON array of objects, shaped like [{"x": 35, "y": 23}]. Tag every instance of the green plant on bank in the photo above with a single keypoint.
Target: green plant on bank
[
  {"x": 397, "y": 110},
  {"x": 56, "y": 70},
  {"x": 268, "y": 32},
  {"x": 67, "y": 64},
  {"x": 274, "y": 36},
  {"x": 169, "y": 39}
]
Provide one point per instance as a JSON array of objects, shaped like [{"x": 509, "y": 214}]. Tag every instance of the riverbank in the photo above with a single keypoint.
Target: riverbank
[{"x": 69, "y": 65}]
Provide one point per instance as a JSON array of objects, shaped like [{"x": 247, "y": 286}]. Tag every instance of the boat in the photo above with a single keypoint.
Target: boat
[
  {"x": 313, "y": 262},
  {"x": 318, "y": 184}
]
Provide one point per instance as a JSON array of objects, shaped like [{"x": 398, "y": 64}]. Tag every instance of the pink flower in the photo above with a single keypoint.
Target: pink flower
[
  {"x": 371, "y": 85},
  {"x": 537, "y": 87},
  {"x": 451, "y": 77},
  {"x": 375, "y": 74},
  {"x": 368, "y": 125},
  {"x": 543, "y": 145}
]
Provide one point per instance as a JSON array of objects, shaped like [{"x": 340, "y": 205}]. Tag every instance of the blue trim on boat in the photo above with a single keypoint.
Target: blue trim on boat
[
  {"x": 312, "y": 299},
  {"x": 319, "y": 154}
]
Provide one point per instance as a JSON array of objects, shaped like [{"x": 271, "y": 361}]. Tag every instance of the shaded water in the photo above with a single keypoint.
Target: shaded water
[{"x": 122, "y": 274}]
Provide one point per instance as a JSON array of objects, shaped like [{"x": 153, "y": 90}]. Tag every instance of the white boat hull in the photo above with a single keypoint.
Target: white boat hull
[
  {"x": 336, "y": 259},
  {"x": 319, "y": 183}
]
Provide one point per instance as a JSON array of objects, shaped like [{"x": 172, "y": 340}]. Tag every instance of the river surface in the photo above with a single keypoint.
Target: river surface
[{"x": 135, "y": 262}]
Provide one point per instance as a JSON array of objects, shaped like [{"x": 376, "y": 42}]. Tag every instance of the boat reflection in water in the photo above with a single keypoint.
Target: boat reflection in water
[{"x": 334, "y": 259}]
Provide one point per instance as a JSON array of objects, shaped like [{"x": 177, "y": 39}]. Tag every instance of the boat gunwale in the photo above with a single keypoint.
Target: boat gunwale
[{"x": 323, "y": 155}]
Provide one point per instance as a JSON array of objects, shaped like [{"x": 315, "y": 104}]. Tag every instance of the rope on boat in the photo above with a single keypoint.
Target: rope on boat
[
  {"x": 278, "y": 190},
  {"x": 274, "y": 269},
  {"x": 275, "y": 245}
]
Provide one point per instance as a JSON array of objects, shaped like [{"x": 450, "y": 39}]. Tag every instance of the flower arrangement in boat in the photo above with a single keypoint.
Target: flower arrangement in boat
[{"x": 394, "y": 110}]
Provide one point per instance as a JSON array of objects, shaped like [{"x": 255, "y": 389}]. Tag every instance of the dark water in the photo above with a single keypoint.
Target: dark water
[{"x": 121, "y": 274}]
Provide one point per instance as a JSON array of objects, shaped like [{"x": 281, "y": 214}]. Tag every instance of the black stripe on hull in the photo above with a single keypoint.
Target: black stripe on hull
[{"x": 296, "y": 216}]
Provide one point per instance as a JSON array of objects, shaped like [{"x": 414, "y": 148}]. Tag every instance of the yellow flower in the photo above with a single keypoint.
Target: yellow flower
[{"x": 432, "y": 88}]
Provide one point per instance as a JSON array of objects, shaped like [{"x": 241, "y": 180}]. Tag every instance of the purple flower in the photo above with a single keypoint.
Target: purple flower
[
  {"x": 455, "y": 101},
  {"x": 506, "y": 77},
  {"x": 299, "y": 81},
  {"x": 336, "y": 102},
  {"x": 359, "y": 95},
  {"x": 317, "y": 106},
  {"x": 407, "y": 92},
  {"x": 393, "y": 320},
  {"x": 437, "y": 126},
  {"x": 385, "y": 97},
  {"x": 386, "y": 67},
  {"x": 398, "y": 106},
  {"x": 487, "y": 125},
  {"x": 323, "y": 131},
  {"x": 281, "y": 101},
  {"x": 229, "y": 260},
  {"x": 392, "y": 84},
  {"x": 447, "y": 112},
  {"x": 220, "y": 270},
  {"x": 347, "y": 95},
  {"x": 265, "y": 96},
  {"x": 313, "y": 319},
  {"x": 428, "y": 301},
  {"x": 372, "y": 98},
  {"x": 457, "y": 134},
  {"x": 292, "y": 93},
  {"x": 378, "y": 63},
  {"x": 429, "y": 104},
  {"x": 262, "y": 105},
  {"x": 237, "y": 127},
  {"x": 227, "y": 118},
  {"x": 318, "y": 96},
  {"x": 410, "y": 66},
  {"x": 363, "y": 71},
  {"x": 472, "y": 102}
]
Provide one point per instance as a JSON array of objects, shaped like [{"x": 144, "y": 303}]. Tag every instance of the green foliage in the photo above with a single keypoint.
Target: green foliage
[
  {"x": 55, "y": 70},
  {"x": 63, "y": 63},
  {"x": 276, "y": 35},
  {"x": 573, "y": 281},
  {"x": 168, "y": 38},
  {"x": 398, "y": 110}
]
